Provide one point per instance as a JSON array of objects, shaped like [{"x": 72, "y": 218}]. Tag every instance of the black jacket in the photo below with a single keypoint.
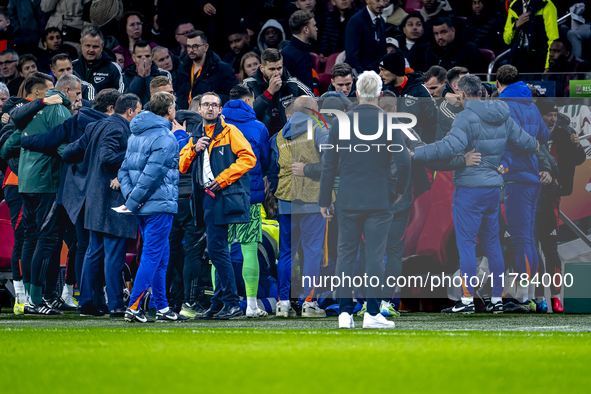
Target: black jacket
[
  {"x": 446, "y": 113},
  {"x": 360, "y": 172},
  {"x": 416, "y": 100},
  {"x": 13, "y": 106},
  {"x": 460, "y": 53},
  {"x": 216, "y": 76},
  {"x": 567, "y": 154},
  {"x": 44, "y": 57},
  {"x": 291, "y": 89},
  {"x": 104, "y": 74},
  {"x": 416, "y": 54},
  {"x": 141, "y": 86},
  {"x": 194, "y": 121},
  {"x": 333, "y": 33},
  {"x": 488, "y": 30},
  {"x": 297, "y": 60},
  {"x": 363, "y": 51}
]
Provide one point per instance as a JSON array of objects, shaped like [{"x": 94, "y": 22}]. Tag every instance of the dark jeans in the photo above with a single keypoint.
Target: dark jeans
[
  {"x": 67, "y": 234},
  {"x": 186, "y": 259},
  {"x": 15, "y": 205},
  {"x": 374, "y": 226},
  {"x": 547, "y": 221},
  {"x": 395, "y": 249}
]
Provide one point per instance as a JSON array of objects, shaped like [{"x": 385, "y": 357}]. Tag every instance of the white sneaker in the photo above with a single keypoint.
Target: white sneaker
[
  {"x": 284, "y": 309},
  {"x": 311, "y": 309},
  {"x": 346, "y": 320},
  {"x": 257, "y": 312},
  {"x": 68, "y": 296},
  {"x": 377, "y": 321}
]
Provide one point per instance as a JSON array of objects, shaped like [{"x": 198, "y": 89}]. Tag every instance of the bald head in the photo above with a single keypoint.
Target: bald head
[{"x": 304, "y": 104}]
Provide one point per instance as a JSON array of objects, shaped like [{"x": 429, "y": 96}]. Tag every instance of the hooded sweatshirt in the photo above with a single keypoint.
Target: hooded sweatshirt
[
  {"x": 270, "y": 23},
  {"x": 443, "y": 7}
]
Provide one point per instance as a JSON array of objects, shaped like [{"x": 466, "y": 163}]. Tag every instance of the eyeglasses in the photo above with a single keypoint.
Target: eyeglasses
[
  {"x": 186, "y": 33},
  {"x": 7, "y": 62},
  {"x": 210, "y": 105},
  {"x": 195, "y": 47}
]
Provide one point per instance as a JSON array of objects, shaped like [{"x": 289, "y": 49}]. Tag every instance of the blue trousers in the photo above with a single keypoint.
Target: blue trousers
[
  {"x": 225, "y": 293},
  {"x": 154, "y": 261},
  {"x": 108, "y": 249},
  {"x": 309, "y": 229},
  {"x": 521, "y": 201},
  {"x": 476, "y": 214}
]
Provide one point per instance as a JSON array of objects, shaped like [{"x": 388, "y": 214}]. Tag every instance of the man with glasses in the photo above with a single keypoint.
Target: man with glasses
[
  {"x": 9, "y": 71},
  {"x": 181, "y": 32},
  {"x": 202, "y": 71},
  {"x": 221, "y": 188}
]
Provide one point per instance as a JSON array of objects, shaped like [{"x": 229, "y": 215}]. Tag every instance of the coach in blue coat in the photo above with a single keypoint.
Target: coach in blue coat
[
  {"x": 366, "y": 38},
  {"x": 486, "y": 127}
]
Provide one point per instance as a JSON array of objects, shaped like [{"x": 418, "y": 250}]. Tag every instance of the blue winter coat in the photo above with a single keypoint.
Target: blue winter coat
[
  {"x": 486, "y": 127},
  {"x": 149, "y": 175},
  {"x": 241, "y": 115},
  {"x": 523, "y": 167}
]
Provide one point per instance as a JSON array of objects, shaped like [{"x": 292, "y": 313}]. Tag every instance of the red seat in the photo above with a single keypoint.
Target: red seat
[
  {"x": 413, "y": 6},
  {"x": 324, "y": 79},
  {"x": 7, "y": 237},
  {"x": 330, "y": 62},
  {"x": 315, "y": 62},
  {"x": 488, "y": 55}
]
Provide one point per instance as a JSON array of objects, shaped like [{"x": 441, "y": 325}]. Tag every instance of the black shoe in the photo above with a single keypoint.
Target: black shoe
[
  {"x": 42, "y": 310},
  {"x": 170, "y": 316},
  {"x": 132, "y": 316},
  {"x": 59, "y": 303},
  {"x": 516, "y": 307},
  {"x": 228, "y": 312},
  {"x": 460, "y": 308},
  {"x": 90, "y": 310},
  {"x": 208, "y": 314},
  {"x": 494, "y": 308},
  {"x": 119, "y": 312}
]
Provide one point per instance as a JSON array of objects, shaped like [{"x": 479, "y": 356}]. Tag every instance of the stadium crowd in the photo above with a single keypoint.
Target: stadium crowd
[{"x": 183, "y": 127}]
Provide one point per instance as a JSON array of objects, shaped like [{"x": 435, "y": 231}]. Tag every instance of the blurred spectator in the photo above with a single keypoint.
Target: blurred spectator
[
  {"x": 342, "y": 80},
  {"x": 450, "y": 50},
  {"x": 10, "y": 75},
  {"x": 53, "y": 44},
  {"x": 66, "y": 15},
  {"x": 563, "y": 61},
  {"x": 414, "y": 42},
  {"x": 137, "y": 77},
  {"x": 394, "y": 12},
  {"x": 202, "y": 71},
  {"x": 181, "y": 32},
  {"x": 6, "y": 31},
  {"x": 525, "y": 21},
  {"x": 239, "y": 45},
  {"x": 451, "y": 105},
  {"x": 62, "y": 64},
  {"x": 4, "y": 95},
  {"x": 433, "y": 9},
  {"x": 488, "y": 26},
  {"x": 28, "y": 22},
  {"x": 130, "y": 31},
  {"x": 273, "y": 90},
  {"x": 27, "y": 65},
  {"x": 165, "y": 61},
  {"x": 332, "y": 39},
  {"x": 95, "y": 66},
  {"x": 271, "y": 35},
  {"x": 119, "y": 58},
  {"x": 296, "y": 55},
  {"x": 435, "y": 80},
  {"x": 249, "y": 64},
  {"x": 366, "y": 32}
]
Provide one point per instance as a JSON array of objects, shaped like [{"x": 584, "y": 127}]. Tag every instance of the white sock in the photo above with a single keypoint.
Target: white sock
[
  {"x": 164, "y": 310},
  {"x": 532, "y": 291},
  {"x": 19, "y": 289},
  {"x": 467, "y": 300},
  {"x": 252, "y": 302},
  {"x": 522, "y": 293},
  {"x": 495, "y": 300},
  {"x": 556, "y": 297},
  {"x": 68, "y": 291}
]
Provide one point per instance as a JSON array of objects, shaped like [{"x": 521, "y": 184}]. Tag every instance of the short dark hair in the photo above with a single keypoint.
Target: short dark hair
[
  {"x": 126, "y": 101},
  {"x": 211, "y": 94},
  {"x": 271, "y": 55},
  {"x": 241, "y": 91},
  {"x": 49, "y": 30},
  {"x": 182, "y": 22},
  {"x": 60, "y": 56},
  {"x": 567, "y": 45},
  {"x": 142, "y": 44},
  {"x": 197, "y": 33},
  {"x": 105, "y": 99},
  {"x": 237, "y": 29},
  {"x": 388, "y": 101},
  {"x": 161, "y": 102},
  {"x": 4, "y": 11},
  {"x": 25, "y": 59},
  {"x": 299, "y": 20},
  {"x": 444, "y": 20},
  {"x": 341, "y": 70},
  {"x": 455, "y": 72},
  {"x": 437, "y": 72},
  {"x": 412, "y": 15},
  {"x": 507, "y": 75},
  {"x": 36, "y": 79}
]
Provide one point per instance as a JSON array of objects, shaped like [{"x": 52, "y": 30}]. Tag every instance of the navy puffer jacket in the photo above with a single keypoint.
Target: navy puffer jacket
[
  {"x": 486, "y": 127},
  {"x": 523, "y": 167},
  {"x": 241, "y": 115},
  {"x": 149, "y": 175}
]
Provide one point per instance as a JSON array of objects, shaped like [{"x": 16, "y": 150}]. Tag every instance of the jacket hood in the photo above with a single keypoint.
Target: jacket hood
[
  {"x": 296, "y": 126},
  {"x": 148, "y": 120},
  {"x": 518, "y": 92},
  {"x": 490, "y": 111},
  {"x": 90, "y": 115},
  {"x": 443, "y": 6},
  {"x": 238, "y": 111},
  {"x": 193, "y": 120},
  {"x": 270, "y": 23},
  {"x": 53, "y": 92},
  {"x": 414, "y": 78}
]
